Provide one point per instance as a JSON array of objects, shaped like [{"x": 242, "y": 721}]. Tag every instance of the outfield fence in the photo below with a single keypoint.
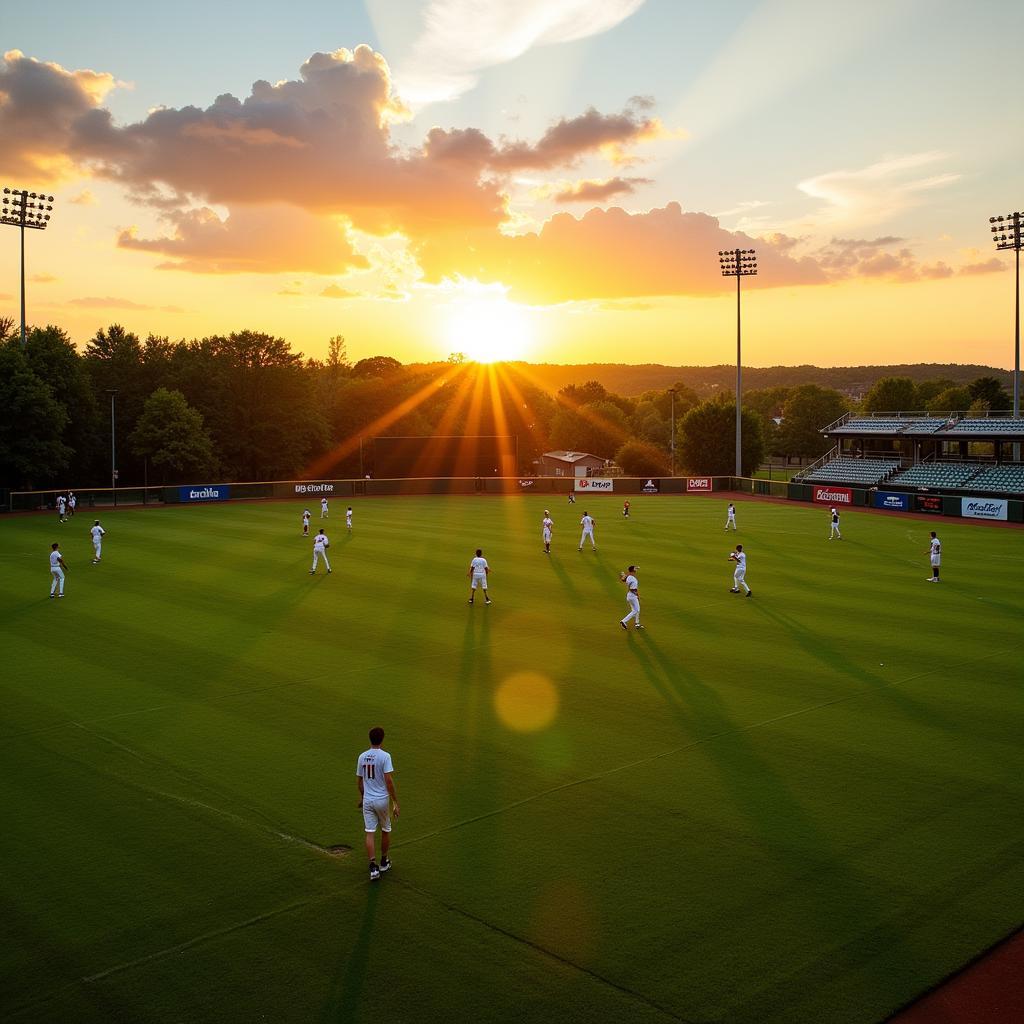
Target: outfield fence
[{"x": 959, "y": 505}]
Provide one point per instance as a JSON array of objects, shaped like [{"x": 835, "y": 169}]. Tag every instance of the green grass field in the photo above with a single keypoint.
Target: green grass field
[{"x": 804, "y": 807}]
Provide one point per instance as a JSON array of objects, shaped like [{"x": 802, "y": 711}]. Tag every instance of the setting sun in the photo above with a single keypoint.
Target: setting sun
[{"x": 487, "y": 328}]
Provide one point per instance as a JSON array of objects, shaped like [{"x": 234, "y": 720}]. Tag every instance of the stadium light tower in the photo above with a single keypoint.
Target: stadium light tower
[
  {"x": 23, "y": 209},
  {"x": 672, "y": 443},
  {"x": 1006, "y": 233},
  {"x": 738, "y": 263}
]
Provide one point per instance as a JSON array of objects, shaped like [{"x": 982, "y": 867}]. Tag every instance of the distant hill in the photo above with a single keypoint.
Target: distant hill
[{"x": 630, "y": 380}]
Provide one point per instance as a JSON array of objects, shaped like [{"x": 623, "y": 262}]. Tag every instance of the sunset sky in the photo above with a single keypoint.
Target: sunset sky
[{"x": 540, "y": 179}]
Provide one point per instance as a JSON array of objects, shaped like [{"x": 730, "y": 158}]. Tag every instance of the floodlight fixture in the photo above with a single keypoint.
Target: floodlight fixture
[
  {"x": 738, "y": 263},
  {"x": 1006, "y": 233},
  {"x": 22, "y": 209}
]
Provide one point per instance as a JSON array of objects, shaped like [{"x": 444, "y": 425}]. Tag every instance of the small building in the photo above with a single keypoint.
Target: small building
[{"x": 570, "y": 464}]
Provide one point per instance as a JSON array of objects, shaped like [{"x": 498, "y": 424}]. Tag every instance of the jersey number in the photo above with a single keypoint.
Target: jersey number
[{"x": 368, "y": 771}]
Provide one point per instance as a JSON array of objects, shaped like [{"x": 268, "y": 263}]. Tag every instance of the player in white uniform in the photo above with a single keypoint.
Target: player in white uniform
[
  {"x": 587, "y": 522},
  {"x": 97, "y": 532},
  {"x": 834, "y": 532},
  {"x": 730, "y": 516},
  {"x": 348, "y": 518},
  {"x": 323, "y": 508},
  {"x": 632, "y": 597},
  {"x": 378, "y": 799},
  {"x": 320, "y": 546},
  {"x": 62, "y": 506},
  {"x": 547, "y": 524},
  {"x": 935, "y": 557},
  {"x": 72, "y": 502},
  {"x": 306, "y": 515},
  {"x": 739, "y": 556},
  {"x": 57, "y": 570},
  {"x": 479, "y": 570}
]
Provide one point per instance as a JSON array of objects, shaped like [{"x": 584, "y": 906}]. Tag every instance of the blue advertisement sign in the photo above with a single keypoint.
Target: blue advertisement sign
[
  {"x": 209, "y": 492},
  {"x": 892, "y": 500}
]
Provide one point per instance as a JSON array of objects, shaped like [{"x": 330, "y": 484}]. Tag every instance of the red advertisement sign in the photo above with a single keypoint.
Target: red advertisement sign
[
  {"x": 698, "y": 483},
  {"x": 833, "y": 495}
]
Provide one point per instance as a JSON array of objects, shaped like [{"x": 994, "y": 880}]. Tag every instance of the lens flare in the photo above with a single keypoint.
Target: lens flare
[{"x": 527, "y": 702}]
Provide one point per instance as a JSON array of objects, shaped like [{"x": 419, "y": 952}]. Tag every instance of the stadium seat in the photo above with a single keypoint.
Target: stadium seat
[
  {"x": 863, "y": 472},
  {"x": 938, "y": 475}
]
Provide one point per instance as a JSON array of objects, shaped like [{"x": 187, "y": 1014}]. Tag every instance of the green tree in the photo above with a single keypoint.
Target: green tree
[
  {"x": 706, "y": 440},
  {"x": 32, "y": 424},
  {"x": 639, "y": 458},
  {"x": 54, "y": 359},
  {"x": 599, "y": 429},
  {"x": 171, "y": 434},
  {"x": 809, "y": 408},
  {"x": 927, "y": 390},
  {"x": 376, "y": 366},
  {"x": 953, "y": 399},
  {"x": 891, "y": 394},
  {"x": 988, "y": 393}
]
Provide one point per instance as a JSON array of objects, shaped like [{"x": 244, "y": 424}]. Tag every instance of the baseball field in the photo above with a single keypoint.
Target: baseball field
[{"x": 805, "y": 806}]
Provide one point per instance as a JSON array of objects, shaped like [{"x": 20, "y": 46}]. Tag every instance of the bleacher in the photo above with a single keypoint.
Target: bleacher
[
  {"x": 860, "y": 472},
  {"x": 924, "y": 424},
  {"x": 937, "y": 475},
  {"x": 1006, "y": 479},
  {"x": 871, "y": 425},
  {"x": 987, "y": 426}
]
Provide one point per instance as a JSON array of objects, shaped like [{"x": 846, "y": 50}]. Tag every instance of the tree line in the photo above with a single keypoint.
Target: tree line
[{"x": 245, "y": 406}]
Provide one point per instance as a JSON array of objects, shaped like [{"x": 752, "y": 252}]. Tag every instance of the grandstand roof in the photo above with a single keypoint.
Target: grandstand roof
[{"x": 922, "y": 424}]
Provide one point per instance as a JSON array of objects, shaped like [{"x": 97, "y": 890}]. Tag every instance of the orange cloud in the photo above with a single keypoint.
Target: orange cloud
[
  {"x": 40, "y": 105},
  {"x": 611, "y": 254},
  {"x": 333, "y": 291},
  {"x": 266, "y": 239},
  {"x": 599, "y": 190},
  {"x": 989, "y": 266},
  {"x": 111, "y": 302}
]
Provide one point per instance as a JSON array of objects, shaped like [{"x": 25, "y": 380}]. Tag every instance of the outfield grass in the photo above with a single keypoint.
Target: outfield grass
[{"x": 804, "y": 807}]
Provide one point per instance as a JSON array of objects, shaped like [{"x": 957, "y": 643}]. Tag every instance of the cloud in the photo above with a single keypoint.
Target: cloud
[
  {"x": 333, "y": 291},
  {"x": 611, "y": 254},
  {"x": 562, "y": 145},
  {"x": 989, "y": 266},
  {"x": 265, "y": 240},
  {"x": 43, "y": 278},
  {"x": 877, "y": 192},
  {"x": 936, "y": 271},
  {"x": 40, "y": 103},
  {"x": 460, "y": 38},
  {"x": 598, "y": 190},
  {"x": 84, "y": 198},
  {"x": 111, "y": 302}
]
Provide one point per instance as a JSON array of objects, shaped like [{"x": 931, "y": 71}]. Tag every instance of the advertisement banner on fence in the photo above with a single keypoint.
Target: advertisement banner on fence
[
  {"x": 651, "y": 487},
  {"x": 590, "y": 483},
  {"x": 892, "y": 500},
  {"x": 698, "y": 483},
  {"x": 322, "y": 487},
  {"x": 211, "y": 492},
  {"x": 833, "y": 495},
  {"x": 928, "y": 503},
  {"x": 525, "y": 485},
  {"x": 983, "y": 508}
]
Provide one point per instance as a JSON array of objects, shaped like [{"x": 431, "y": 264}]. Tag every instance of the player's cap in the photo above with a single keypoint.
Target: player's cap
[
  {"x": 546, "y": 512},
  {"x": 632, "y": 568}
]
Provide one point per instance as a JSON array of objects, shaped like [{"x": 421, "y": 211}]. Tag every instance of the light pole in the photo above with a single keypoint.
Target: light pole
[
  {"x": 23, "y": 209},
  {"x": 738, "y": 263},
  {"x": 672, "y": 443},
  {"x": 113, "y": 447},
  {"x": 1006, "y": 233}
]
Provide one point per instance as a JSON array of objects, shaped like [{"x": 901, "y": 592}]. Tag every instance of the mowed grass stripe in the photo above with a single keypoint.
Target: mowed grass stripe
[{"x": 810, "y": 778}]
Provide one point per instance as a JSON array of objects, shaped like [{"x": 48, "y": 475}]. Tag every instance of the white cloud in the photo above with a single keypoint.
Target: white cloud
[
  {"x": 877, "y": 192},
  {"x": 461, "y": 38}
]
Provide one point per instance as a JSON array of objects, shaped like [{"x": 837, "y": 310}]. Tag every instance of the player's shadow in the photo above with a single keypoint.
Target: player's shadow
[
  {"x": 345, "y": 998},
  {"x": 838, "y": 661},
  {"x": 778, "y": 823},
  {"x": 563, "y": 577}
]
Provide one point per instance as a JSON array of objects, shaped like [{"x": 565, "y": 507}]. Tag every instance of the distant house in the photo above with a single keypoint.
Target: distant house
[{"x": 570, "y": 464}]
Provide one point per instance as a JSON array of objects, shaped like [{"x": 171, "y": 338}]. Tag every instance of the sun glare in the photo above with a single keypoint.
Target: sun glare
[{"x": 488, "y": 329}]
